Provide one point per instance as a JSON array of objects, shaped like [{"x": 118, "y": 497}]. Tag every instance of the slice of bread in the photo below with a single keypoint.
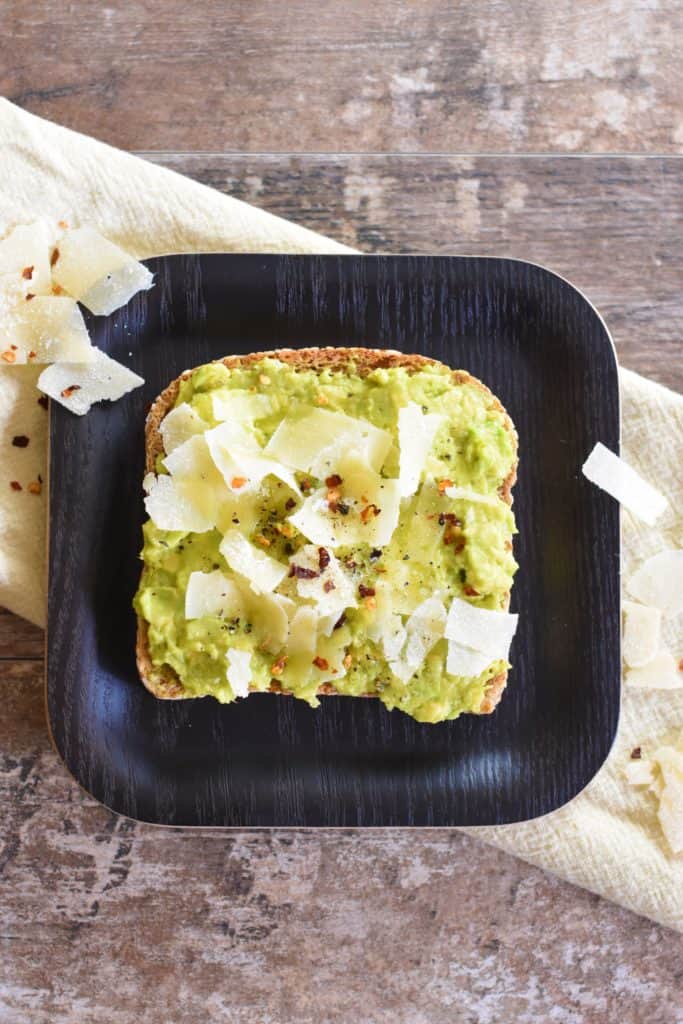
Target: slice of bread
[{"x": 162, "y": 680}]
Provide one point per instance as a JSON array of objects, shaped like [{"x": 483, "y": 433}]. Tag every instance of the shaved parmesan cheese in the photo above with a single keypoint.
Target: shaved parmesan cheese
[
  {"x": 332, "y": 589},
  {"x": 416, "y": 433},
  {"x": 77, "y": 386},
  {"x": 239, "y": 672},
  {"x": 670, "y": 811},
  {"x": 179, "y": 425},
  {"x": 191, "y": 466},
  {"x": 367, "y": 512},
  {"x": 271, "y": 614},
  {"x": 659, "y": 582},
  {"x": 424, "y": 629},
  {"x": 463, "y": 661},
  {"x": 169, "y": 507},
  {"x": 669, "y": 760},
  {"x": 211, "y": 593},
  {"x": 302, "y": 632},
  {"x": 663, "y": 774},
  {"x": 96, "y": 272},
  {"x": 299, "y": 440},
  {"x": 25, "y": 253},
  {"x": 262, "y": 572},
  {"x": 612, "y": 474},
  {"x": 640, "y": 641},
  {"x": 239, "y": 405},
  {"x": 467, "y": 494},
  {"x": 481, "y": 629},
  {"x": 47, "y": 329},
  {"x": 659, "y": 674},
  {"x": 236, "y": 454},
  {"x": 301, "y": 642},
  {"x": 639, "y": 773}
]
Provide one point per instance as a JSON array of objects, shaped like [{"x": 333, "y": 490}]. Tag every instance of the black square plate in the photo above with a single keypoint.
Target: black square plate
[{"x": 268, "y": 760}]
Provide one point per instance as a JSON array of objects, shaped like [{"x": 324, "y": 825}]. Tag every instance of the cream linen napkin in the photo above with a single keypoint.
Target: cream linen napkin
[{"x": 608, "y": 838}]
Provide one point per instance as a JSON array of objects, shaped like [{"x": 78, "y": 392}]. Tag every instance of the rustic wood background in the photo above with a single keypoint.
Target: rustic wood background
[{"x": 393, "y": 126}]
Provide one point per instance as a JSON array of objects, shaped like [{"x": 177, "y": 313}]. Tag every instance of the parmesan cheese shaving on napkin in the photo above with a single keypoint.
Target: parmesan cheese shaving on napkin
[{"x": 608, "y": 839}]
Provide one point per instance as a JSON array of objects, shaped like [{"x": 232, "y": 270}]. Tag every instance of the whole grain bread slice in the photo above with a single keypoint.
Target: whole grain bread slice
[{"x": 162, "y": 680}]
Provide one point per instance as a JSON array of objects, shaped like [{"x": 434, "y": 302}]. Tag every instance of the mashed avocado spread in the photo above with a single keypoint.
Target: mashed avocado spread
[{"x": 456, "y": 546}]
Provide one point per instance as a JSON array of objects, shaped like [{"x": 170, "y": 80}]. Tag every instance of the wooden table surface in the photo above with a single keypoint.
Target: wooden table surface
[{"x": 547, "y": 132}]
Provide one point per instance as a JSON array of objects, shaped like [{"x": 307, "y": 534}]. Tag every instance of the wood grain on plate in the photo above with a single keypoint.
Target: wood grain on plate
[{"x": 311, "y": 76}]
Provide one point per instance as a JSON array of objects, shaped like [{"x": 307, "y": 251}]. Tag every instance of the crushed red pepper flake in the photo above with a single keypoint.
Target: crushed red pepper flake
[
  {"x": 333, "y": 481},
  {"x": 238, "y": 481},
  {"x": 443, "y": 485},
  {"x": 459, "y": 547},
  {"x": 43, "y": 400},
  {"x": 329, "y": 586},
  {"x": 20, "y": 441},
  {"x": 27, "y": 273},
  {"x": 57, "y": 289},
  {"x": 31, "y": 356},
  {"x": 278, "y": 667},
  {"x": 470, "y": 591},
  {"x": 340, "y": 621},
  {"x": 306, "y": 485},
  {"x": 323, "y": 558},
  {"x": 321, "y": 663},
  {"x": 29, "y": 296},
  {"x": 680, "y": 665},
  {"x": 35, "y": 487},
  {"x": 369, "y": 512},
  {"x": 366, "y": 591},
  {"x": 68, "y": 392},
  {"x": 290, "y": 504},
  {"x": 54, "y": 257},
  {"x": 636, "y": 753},
  {"x": 300, "y": 572},
  {"x": 449, "y": 517},
  {"x": 15, "y": 485},
  {"x": 9, "y": 356}
]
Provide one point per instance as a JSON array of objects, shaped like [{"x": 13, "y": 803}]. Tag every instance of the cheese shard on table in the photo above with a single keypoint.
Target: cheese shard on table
[
  {"x": 642, "y": 627},
  {"x": 612, "y": 474},
  {"x": 211, "y": 593},
  {"x": 659, "y": 582},
  {"x": 299, "y": 440},
  {"x": 481, "y": 629},
  {"x": 46, "y": 329},
  {"x": 262, "y": 573},
  {"x": 661, "y": 673},
  {"x": 77, "y": 386},
  {"x": 239, "y": 671},
  {"x": 98, "y": 273},
  {"x": 169, "y": 506},
  {"x": 416, "y": 433},
  {"x": 25, "y": 254}
]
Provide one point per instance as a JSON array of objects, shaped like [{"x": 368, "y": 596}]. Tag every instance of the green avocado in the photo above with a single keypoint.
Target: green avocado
[{"x": 472, "y": 449}]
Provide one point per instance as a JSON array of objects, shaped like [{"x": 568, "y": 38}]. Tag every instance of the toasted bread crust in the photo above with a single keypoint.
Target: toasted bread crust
[{"x": 162, "y": 681}]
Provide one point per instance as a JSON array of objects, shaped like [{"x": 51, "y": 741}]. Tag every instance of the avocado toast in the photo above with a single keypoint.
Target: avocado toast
[{"x": 343, "y": 505}]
